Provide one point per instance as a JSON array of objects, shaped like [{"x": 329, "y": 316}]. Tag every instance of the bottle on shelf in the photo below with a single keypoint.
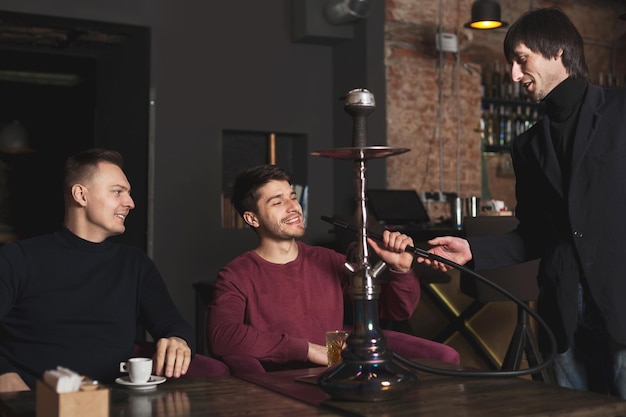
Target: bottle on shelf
[
  {"x": 520, "y": 121},
  {"x": 502, "y": 119},
  {"x": 509, "y": 133},
  {"x": 496, "y": 81},
  {"x": 493, "y": 128},
  {"x": 485, "y": 81},
  {"x": 482, "y": 128},
  {"x": 487, "y": 116},
  {"x": 535, "y": 117},
  {"x": 507, "y": 86},
  {"x": 528, "y": 121}
]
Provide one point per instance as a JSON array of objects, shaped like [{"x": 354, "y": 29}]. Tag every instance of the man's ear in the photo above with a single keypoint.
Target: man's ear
[
  {"x": 79, "y": 194},
  {"x": 250, "y": 218}
]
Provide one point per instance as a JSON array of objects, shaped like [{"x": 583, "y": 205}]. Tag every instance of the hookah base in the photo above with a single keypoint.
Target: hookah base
[{"x": 367, "y": 381}]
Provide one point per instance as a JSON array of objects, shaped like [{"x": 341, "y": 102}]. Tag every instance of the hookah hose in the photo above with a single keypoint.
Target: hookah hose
[{"x": 446, "y": 372}]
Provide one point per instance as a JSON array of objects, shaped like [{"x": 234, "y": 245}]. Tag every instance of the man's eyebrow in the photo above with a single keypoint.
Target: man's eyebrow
[
  {"x": 279, "y": 195},
  {"x": 273, "y": 197}
]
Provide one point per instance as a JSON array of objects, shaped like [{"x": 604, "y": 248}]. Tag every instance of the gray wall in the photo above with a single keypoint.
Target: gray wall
[{"x": 233, "y": 65}]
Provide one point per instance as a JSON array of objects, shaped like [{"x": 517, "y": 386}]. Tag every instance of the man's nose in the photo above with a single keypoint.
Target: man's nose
[{"x": 294, "y": 205}]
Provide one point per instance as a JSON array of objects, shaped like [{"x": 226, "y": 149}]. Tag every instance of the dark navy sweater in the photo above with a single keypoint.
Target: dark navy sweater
[{"x": 70, "y": 302}]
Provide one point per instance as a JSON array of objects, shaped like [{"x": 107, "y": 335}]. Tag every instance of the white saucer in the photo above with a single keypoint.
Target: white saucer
[{"x": 150, "y": 384}]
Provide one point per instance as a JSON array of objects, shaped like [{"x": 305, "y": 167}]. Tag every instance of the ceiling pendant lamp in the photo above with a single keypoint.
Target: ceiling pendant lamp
[{"x": 485, "y": 15}]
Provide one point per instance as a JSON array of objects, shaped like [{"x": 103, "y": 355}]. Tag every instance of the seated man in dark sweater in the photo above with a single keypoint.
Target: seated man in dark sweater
[
  {"x": 276, "y": 302},
  {"x": 74, "y": 299}
]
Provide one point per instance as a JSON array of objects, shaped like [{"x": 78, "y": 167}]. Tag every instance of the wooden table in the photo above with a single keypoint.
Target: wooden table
[
  {"x": 443, "y": 396},
  {"x": 187, "y": 397},
  {"x": 278, "y": 394}
]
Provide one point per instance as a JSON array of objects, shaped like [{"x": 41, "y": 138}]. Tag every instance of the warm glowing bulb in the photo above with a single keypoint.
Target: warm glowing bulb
[{"x": 486, "y": 24}]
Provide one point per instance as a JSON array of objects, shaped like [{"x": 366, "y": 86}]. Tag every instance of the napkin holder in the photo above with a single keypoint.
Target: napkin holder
[{"x": 93, "y": 403}]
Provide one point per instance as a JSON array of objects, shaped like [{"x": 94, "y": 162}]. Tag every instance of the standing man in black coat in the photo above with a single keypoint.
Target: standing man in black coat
[{"x": 570, "y": 170}]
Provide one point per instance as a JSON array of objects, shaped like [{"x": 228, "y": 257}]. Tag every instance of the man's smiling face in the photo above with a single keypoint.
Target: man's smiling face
[
  {"x": 279, "y": 214},
  {"x": 537, "y": 74}
]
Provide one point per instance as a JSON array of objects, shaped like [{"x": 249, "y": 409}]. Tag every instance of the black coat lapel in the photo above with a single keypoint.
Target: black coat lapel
[
  {"x": 587, "y": 122},
  {"x": 544, "y": 151}
]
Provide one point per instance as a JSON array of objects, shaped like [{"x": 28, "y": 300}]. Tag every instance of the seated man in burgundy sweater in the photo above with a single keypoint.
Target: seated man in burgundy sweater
[{"x": 276, "y": 302}]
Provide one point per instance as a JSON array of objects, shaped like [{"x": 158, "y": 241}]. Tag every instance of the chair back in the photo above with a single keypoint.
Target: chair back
[{"x": 204, "y": 293}]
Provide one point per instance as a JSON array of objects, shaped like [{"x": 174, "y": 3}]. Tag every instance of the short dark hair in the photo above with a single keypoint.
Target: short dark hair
[
  {"x": 81, "y": 166},
  {"x": 545, "y": 31},
  {"x": 248, "y": 182}
]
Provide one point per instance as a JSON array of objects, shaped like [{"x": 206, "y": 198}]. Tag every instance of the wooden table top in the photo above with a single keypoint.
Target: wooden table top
[
  {"x": 442, "y": 396},
  {"x": 186, "y": 397},
  {"x": 278, "y": 394}
]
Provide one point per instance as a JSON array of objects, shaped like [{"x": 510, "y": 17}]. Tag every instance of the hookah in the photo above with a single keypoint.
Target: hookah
[{"x": 367, "y": 372}]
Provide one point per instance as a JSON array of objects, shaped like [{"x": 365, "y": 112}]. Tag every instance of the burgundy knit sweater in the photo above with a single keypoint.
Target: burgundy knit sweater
[{"x": 271, "y": 311}]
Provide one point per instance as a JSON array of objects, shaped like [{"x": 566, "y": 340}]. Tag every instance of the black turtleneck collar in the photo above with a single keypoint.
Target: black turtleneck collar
[
  {"x": 68, "y": 237},
  {"x": 565, "y": 98}
]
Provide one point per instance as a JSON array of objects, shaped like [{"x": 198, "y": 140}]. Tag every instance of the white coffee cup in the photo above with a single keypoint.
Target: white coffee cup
[{"x": 138, "y": 369}]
